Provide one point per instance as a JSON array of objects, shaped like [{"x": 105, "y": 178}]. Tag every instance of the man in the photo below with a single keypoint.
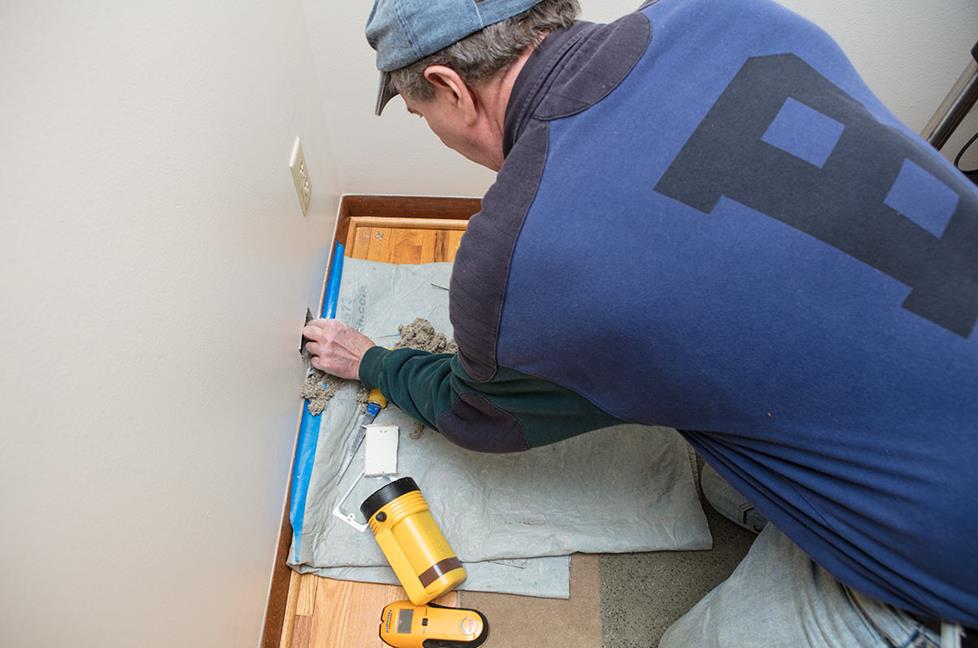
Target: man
[{"x": 704, "y": 219}]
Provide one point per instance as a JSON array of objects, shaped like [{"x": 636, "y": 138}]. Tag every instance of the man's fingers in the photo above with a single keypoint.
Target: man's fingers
[
  {"x": 323, "y": 329},
  {"x": 312, "y": 332},
  {"x": 327, "y": 324},
  {"x": 335, "y": 347},
  {"x": 316, "y": 362}
]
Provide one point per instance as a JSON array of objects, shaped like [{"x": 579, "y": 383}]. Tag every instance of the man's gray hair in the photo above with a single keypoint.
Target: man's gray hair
[{"x": 481, "y": 55}]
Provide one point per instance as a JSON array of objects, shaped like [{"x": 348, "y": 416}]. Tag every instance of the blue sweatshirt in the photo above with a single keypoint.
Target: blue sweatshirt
[{"x": 706, "y": 220}]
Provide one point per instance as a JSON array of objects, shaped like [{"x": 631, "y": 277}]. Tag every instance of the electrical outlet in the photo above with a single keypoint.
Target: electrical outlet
[
  {"x": 302, "y": 338},
  {"x": 300, "y": 176}
]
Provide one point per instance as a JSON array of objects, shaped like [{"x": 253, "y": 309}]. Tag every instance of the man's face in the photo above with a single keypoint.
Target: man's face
[{"x": 446, "y": 119}]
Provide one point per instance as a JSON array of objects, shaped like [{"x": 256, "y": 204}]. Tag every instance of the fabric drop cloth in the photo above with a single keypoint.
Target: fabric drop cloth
[{"x": 512, "y": 519}]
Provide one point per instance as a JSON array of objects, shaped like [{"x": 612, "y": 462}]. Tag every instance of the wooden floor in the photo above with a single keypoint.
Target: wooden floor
[
  {"x": 404, "y": 240},
  {"x": 326, "y": 613}
]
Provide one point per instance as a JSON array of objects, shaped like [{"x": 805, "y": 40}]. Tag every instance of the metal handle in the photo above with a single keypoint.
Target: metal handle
[{"x": 956, "y": 105}]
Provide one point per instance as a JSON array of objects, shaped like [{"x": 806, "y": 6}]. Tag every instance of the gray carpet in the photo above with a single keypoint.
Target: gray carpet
[{"x": 642, "y": 594}]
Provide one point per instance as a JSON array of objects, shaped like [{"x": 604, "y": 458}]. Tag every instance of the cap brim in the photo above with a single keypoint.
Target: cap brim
[{"x": 386, "y": 92}]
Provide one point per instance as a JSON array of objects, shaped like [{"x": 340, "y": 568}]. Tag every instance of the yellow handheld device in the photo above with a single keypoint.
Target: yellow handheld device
[
  {"x": 403, "y": 625},
  {"x": 422, "y": 559}
]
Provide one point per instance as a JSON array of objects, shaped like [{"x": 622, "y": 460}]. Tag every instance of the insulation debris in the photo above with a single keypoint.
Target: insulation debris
[
  {"x": 417, "y": 432},
  {"x": 319, "y": 388},
  {"x": 420, "y": 334}
]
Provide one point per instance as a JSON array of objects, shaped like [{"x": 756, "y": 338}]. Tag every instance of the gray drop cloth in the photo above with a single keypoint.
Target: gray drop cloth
[
  {"x": 547, "y": 577},
  {"x": 623, "y": 489}
]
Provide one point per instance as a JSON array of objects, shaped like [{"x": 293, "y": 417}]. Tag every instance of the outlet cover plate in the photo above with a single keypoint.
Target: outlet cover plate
[
  {"x": 380, "y": 452},
  {"x": 300, "y": 176}
]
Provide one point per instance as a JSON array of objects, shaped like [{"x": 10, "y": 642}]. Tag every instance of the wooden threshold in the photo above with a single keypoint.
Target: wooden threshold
[{"x": 307, "y": 610}]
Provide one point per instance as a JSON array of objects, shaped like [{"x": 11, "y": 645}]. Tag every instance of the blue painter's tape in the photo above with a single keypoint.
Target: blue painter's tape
[
  {"x": 333, "y": 287},
  {"x": 305, "y": 457},
  {"x": 305, "y": 454}
]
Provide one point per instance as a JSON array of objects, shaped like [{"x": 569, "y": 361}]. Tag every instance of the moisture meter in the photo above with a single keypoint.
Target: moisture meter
[{"x": 404, "y": 625}]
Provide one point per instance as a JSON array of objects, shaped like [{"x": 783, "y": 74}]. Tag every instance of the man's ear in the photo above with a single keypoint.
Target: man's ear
[{"x": 452, "y": 87}]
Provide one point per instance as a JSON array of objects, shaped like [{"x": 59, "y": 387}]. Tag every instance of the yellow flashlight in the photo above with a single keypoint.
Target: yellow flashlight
[
  {"x": 402, "y": 524},
  {"x": 403, "y": 625}
]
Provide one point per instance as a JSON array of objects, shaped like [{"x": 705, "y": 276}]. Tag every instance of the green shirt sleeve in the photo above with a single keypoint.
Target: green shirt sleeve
[{"x": 511, "y": 412}]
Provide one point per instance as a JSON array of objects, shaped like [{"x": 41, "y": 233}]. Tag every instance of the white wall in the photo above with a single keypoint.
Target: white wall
[
  {"x": 909, "y": 52},
  {"x": 154, "y": 270},
  {"x": 393, "y": 154}
]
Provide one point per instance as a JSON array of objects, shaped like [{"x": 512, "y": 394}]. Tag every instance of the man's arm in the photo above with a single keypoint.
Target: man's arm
[{"x": 508, "y": 413}]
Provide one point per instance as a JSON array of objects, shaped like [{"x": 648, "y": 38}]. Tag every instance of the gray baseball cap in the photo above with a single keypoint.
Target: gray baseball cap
[{"x": 406, "y": 31}]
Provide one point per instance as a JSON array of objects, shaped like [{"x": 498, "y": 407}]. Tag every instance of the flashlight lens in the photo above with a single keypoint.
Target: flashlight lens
[{"x": 469, "y": 626}]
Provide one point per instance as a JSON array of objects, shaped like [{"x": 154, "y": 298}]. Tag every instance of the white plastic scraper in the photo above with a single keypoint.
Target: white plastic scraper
[{"x": 380, "y": 454}]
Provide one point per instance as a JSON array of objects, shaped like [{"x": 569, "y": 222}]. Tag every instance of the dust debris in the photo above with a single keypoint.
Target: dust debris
[
  {"x": 316, "y": 392},
  {"x": 319, "y": 388},
  {"x": 362, "y": 394},
  {"x": 417, "y": 431},
  {"x": 420, "y": 334}
]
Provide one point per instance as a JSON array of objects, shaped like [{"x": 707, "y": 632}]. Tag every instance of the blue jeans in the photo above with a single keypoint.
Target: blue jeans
[{"x": 778, "y": 598}]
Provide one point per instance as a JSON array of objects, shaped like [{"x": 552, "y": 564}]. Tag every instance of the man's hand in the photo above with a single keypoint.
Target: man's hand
[{"x": 335, "y": 347}]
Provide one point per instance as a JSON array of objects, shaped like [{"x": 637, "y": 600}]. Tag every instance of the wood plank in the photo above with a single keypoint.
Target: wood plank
[
  {"x": 306, "y": 603},
  {"x": 428, "y": 246},
  {"x": 357, "y": 237},
  {"x": 379, "y": 245},
  {"x": 410, "y": 223},
  {"x": 443, "y": 250},
  {"x": 288, "y": 624},
  {"x": 358, "y": 242},
  {"x": 302, "y": 635},
  {"x": 454, "y": 240},
  {"x": 413, "y": 245},
  {"x": 353, "y": 613},
  {"x": 361, "y": 241},
  {"x": 406, "y": 245}
]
